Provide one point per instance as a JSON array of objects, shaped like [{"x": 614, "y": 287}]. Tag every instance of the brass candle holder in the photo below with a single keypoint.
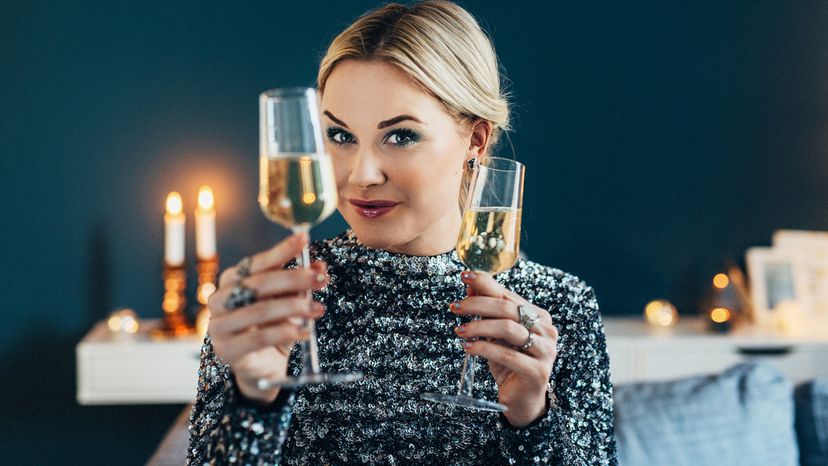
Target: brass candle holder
[
  {"x": 207, "y": 270},
  {"x": 175, "y": 323}
]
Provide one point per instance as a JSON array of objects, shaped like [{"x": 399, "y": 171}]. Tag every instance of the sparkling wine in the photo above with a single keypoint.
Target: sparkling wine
[
  {"x": 489, "y": 238},
  {"x": 297, "y": 191}
]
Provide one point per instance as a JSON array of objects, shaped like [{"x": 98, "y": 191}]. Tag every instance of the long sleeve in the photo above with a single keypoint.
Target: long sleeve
[
  {"x": 226, "y": 430},
  {"x": 578, "y": 428}
]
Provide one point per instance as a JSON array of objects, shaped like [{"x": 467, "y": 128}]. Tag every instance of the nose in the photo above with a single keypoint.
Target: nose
[{"x": 366, "y": 169}]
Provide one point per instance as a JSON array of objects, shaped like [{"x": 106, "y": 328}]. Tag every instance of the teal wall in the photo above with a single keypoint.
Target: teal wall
[{"x": 660, "y": 138}]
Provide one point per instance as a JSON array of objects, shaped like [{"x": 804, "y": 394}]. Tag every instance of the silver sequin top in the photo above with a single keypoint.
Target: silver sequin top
[{"x": 387, "y": 316}]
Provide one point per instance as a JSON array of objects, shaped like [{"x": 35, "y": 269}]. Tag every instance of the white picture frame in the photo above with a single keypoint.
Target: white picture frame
[
  {"x": 776, "y": 276},
  {"x": 811, "y": 247}
]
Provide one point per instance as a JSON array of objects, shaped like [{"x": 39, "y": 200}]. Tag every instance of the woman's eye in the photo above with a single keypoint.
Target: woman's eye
[
  {"x": 402, "y": 137},
  {"x": 339, "y": 136}
]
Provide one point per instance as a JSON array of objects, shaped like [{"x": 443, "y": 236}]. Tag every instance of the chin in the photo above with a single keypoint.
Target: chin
[
  {"x": 376, "y": 236},
  {"x": 369, "y": 236},
  {"x": 380, "y": 233}
]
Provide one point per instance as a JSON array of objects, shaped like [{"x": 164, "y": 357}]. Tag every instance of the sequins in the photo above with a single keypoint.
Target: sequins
[{"x": 386, "y": 317}]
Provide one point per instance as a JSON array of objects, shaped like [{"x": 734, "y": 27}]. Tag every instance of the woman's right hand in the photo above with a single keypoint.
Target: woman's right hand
[{"x": 255, "y": 340}]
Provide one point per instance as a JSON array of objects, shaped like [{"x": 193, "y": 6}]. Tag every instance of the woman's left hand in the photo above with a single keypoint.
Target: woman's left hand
[{"x": 521, "y": 375}]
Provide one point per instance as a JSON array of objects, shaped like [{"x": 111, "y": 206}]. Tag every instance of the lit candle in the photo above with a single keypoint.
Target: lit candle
[
  {"x": 720, "y": 319},
  {"x": 721, "y": 281},
  {"x": 123, "y": 321},
  {"x": 660, "y": 313},
  {"x": 205, "y": 218},
  {"x": 174, "y": 221}
]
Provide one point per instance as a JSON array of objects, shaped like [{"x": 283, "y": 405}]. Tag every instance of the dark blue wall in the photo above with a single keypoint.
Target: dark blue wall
[{"x": 661, "y": 137}]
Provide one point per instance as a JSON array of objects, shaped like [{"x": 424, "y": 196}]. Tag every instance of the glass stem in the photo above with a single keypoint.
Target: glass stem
[
  {"x": 469, "y": 368},
  {"x": 310, "y": 356}
]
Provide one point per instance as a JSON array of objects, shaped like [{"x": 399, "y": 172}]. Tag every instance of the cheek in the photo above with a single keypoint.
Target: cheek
[
  {"x": 445, "y": 172},
  {"x": 431, "y": 186},
  {"x": 413, "y": 184},
  {"x": 341, "y": 172}
]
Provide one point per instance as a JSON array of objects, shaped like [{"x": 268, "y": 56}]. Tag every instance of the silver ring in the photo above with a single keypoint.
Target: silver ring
[
  {"x": 530, "y": 341},
  {"x": 527, "y": 317},
  {"x": 240, "y": 296},
  {"x": 244, "y": 266}
]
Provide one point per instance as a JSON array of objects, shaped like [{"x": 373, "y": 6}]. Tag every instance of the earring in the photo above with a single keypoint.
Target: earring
[{"x": 472, "y": 163}]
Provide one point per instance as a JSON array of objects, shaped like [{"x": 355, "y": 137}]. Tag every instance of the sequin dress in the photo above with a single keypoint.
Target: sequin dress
[{"x": 387, "y": 316}]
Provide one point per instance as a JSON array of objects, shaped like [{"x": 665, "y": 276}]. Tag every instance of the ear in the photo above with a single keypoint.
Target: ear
[{"x": 481, "y": 133}]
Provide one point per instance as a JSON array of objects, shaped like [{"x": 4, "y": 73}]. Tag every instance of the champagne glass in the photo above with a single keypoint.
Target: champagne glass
[
  {"x": 297, "y": 189},
  {"x": 489, "y": 242}
]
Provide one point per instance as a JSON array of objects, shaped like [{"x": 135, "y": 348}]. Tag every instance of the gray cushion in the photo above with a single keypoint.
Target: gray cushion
[
  {"x": 812, "y": 422},
  {"x": 743, "y": 416}
]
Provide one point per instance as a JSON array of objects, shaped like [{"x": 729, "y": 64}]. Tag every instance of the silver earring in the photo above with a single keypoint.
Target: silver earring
[{"x": 472, "y": 163}]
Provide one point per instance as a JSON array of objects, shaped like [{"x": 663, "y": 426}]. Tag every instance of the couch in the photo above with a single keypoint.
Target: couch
[{"x": 750, "y": 414}]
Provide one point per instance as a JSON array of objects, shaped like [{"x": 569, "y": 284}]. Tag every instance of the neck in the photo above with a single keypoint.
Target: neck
[{"x": 439, "y": 238}]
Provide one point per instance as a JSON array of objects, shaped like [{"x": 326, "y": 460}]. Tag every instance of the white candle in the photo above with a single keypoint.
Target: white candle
[
  {"x": 174, "y": 221},
  {"x": 205, "y": 218}
]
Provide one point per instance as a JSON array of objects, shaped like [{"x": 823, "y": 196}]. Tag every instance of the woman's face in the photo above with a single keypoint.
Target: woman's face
[{"x": 398, "y": 157}]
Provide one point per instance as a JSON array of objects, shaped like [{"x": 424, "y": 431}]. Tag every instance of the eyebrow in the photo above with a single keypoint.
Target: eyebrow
[
  {"x": 395, "y": 120},
  {"x": 382, "y": 124},
  {"x": 335, "y": 119}
]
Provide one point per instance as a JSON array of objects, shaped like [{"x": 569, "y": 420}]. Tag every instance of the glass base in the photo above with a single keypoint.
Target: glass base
[
  {"x": 309, "y": 379},
  {"x": 464, "y": 401}
]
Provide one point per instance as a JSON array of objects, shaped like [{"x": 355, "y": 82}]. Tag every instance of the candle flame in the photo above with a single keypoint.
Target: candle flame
[
  {"x": 205, "y": 198},
  {"x": 661, "y": 312},
  {"x": 721, "y": 280},
  {"x": 720, "y": 315},
  {"x": 174, "y": 204}
]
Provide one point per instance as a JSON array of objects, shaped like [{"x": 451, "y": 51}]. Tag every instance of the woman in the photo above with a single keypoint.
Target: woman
[{"x": 409, "y": 95}]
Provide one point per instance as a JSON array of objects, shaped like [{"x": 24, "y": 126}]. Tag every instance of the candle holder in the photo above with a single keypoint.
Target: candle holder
[
  {"x": 207, "y": 270},
  {"x": 175, "y": 301}
]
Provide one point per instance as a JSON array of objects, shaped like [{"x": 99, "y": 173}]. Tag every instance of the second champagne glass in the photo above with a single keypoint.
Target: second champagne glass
[
  {"x": 297, "y": 189},
  {"x": 489, "y": 242}
]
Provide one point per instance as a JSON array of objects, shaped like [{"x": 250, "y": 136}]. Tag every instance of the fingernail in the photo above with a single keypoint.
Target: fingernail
[
  {"x": 466, "y": 344},
  {"x": 320, "y": 277},
  {"x": 317, "y": 306},
  {"x": 468, "y": 275},
  {"x": 455, "y": 305},
  {"x": 460, "y": 329}
]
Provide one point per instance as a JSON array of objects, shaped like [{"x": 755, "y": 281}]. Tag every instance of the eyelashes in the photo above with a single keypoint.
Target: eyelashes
[
  {"x": 339, "y": 136},
  {"x": 400, "y": 137}
]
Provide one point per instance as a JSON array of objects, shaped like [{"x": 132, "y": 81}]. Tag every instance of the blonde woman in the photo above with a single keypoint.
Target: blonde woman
[{"x": 410, "y": 94}]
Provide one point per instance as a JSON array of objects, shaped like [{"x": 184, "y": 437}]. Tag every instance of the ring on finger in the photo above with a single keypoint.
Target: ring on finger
[
  {"x": 527, "y": 316},
  {"x": 244, "y": 267},
  {"x": 530, "y": 341},
  {"x": 240, "y": 296}
]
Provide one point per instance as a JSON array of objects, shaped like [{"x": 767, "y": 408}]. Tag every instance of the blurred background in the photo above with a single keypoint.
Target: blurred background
[{"x": 660, "y": 138}]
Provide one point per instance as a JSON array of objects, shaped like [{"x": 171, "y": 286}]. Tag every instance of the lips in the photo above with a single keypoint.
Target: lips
[{"x": 372, "y": 208}]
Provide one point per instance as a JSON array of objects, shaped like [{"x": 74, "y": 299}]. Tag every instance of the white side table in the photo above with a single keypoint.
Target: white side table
[
  {"x": 640, "y": 353},
  {"x": 135, "y": 369},
  {"x": 139, "y": 370}
]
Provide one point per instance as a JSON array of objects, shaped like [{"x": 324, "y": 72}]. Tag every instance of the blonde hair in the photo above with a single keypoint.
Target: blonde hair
[{"x": 438, "y": 44}]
